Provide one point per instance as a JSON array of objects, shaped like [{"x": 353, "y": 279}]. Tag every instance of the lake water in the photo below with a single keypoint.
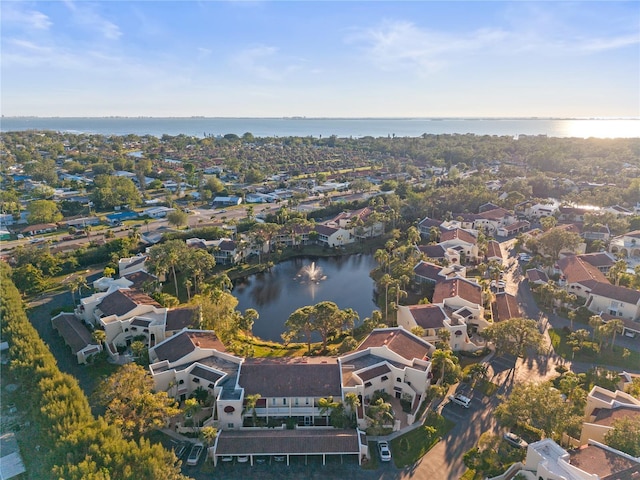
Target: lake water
[
  {"x": 325, "y": 127},
  {"x": 278, "y": 293}
]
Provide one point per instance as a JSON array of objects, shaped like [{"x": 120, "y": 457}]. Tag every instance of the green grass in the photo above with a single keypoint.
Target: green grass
[
  {"x": 411, "y": 447},
  {"x": 471, "y": 475},
  {"x": 616, "y": 357}
]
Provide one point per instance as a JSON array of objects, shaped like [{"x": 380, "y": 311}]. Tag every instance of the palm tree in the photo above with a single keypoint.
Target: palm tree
[
  {"x": 612, "y": 328},
  {"x": 595, "y": 322},
  {"x": 386, "y": 281},
  {"x": 208, "y": 434},
  {"x": 380, "y": 412},
  {"x": 478, "y": 371},
  {"x": 250, "y": 404},
  {"x": 327, "y": 405},
  {"x": 443, "y": 360},
  {"x": 98, "y": 336},
  {"x": 352, "y": 401}
]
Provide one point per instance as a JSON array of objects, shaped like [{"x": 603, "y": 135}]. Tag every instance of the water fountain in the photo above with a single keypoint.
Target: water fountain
[{"x": 312, "y": 272}]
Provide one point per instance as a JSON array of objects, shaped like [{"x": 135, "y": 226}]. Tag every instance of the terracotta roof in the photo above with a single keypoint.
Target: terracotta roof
[
  {"x": 493, "y": 250},
  {"x": 606, "y": 416},
  {"x": 516, "y": 226},
  {"x": 604, "y": 463},
  {"x": 73, "y": 331},
  {"x": 374, "y": 372},
  {"x": 429, "y": 222},
  {"x": 577, "y": 270},
  {"x": 534, "y": 275},
  {"x": 428, "y": 270},
  {"x": 432, "y": 251},
  {"x": 428, "y": 316},
  {"x": 505, "y": 307},
  {"x": 458, "y": 287},
  {"x": 281, "y": 442},
  {"x": 286, "y": 377},
  {"x": 399, "y": 341},
  {"x": 457, "y": 234},
  {"x": 621, "y": 294},
  {"x": 598, "y": 259},
  {"x": 325, "y": 230},
  {"x": 179, "y": 318},
  {"x": 122, "y": 301},
  {"x": 495, "y": 214},
  {"x": 176, "y": 347}
]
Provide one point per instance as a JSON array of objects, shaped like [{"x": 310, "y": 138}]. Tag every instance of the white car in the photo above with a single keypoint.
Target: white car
[
  {"x": 385, "y": 453},
  {"x": 460, "y": 399},
  {"x": 243, "y": 458},
  {"x": 515, "y": 440},
  {"x": 194, "y": 454}
]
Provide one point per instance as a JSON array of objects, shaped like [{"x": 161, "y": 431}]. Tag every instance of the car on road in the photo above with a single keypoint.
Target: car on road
[
  {"x": 194, "y": 454},
  {"x": 385, "y": 453},
  {"x": 460, "y": 399},
  {"x": 514, "y": 440}
]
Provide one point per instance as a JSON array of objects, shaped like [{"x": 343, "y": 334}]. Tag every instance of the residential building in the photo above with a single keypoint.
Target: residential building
[
  {"x": 614, "y": 300},
  {"x": 461, "y": 241},
  {"x": 578, "y": 276},
  {"x": 627, "y": 245},
  {"x": 602, "y": 409}
]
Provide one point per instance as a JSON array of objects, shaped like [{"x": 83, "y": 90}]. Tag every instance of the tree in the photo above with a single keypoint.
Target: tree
[
  {"x": 298, "y": 324},
  {"x": 625, "y": 435},
  {"x": 514, "y": 336},
  {"x": 557, "y": 239},
  {"x": 380, "y": 413},
  {"x": 633, "y": 388},
  {"x": 352, "y": 401},
  {"x": 198, "y": 264},
  {"x": 250, "y": 404},
  {"x": 327, "y": 405},
  {"x": 166, "y": 257},
  {"x": 43, "y": 211},
  {"x": 177, "y": 218},
  {"x": 98, "y": 336},
  {"x": 595, "y": 322},
  {"x": 130, "y": 402},
  {"x": 539, "y": 405},
  {"x": 29, "y": 279},
  {"x": 445, "y": 361},
  {"x": 247, "y": 320},
  {"x": 328, "y": 319},
  {"x": 109, "y": 272},
  {"x": 612, "y": 328},
  {"x": 209, "y": 434},
  {"x": 110, "y": 191},
  {"x": 478, "y": 371}
]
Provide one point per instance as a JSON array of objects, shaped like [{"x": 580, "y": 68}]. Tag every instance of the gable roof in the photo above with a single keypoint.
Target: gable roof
[
  {"x": 287, "y": 377},
  {"x": 429, "y": 222},
  {"x": 535, "y": 275},
  {"x": 493, "y": 250},
  {"x": 123, "y": 301},
  {"x": 457, "y": 234},
  {"x": 505, "y": 307},
  {"x": 176, "y": 347},
  {"x": 139, "y": 278},
  {"x": 430, "y": 316},
  {"x": 432, "y": 251},
  {"x": 577, "y": 270},
  {"x": 458, "y": 287},
  {"x": 73, "y": 331},
  {"x": 399, "y": 341},
  {"x": 428, "y": 270},
  {"x": 495, "y": 214},
  {"x": 598, "y": 259},
  {"x": 325, "y": 230},
  {"x": 179, "y": 318},
  {"x": 615, "y": 292}
]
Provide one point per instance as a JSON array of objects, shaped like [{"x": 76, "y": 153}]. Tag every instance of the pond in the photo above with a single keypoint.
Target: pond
[{"x": 299, "y": 282}]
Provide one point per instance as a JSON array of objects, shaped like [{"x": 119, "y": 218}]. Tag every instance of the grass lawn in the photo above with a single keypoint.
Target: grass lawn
[
  {"x": 616, "y": 357},
  {"x": 264, "y": 348},
  {"x": 411, "y": 447},
  {"x": 471, "y": 475}
]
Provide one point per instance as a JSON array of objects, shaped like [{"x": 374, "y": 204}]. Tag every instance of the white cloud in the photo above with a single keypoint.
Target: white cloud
[
  {"x": 29, "y": 19},
  {"x": 86, "y": 16},
  {"x": 264, "y": 62}
]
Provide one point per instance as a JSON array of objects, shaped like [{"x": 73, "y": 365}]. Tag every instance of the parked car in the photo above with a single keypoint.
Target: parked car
[
  {"x": 243, "y": 458},
  {"x": 261, "y": 460},
  {"x": 227, "y": 458},
  {"x": 460, "y": 399},
  {"x": 515, "y": 440},
  {"x": 279, "y": 458},
  {"x": 385, "y": 453},
  {"x": 194, "y": 454}
]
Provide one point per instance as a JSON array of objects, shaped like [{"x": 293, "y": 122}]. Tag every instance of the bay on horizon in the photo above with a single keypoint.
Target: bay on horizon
[{"x": 326, "y": 127}]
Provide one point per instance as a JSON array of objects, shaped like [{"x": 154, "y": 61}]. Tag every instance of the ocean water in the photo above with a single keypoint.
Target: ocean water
[{"x": 325, "y": 127}]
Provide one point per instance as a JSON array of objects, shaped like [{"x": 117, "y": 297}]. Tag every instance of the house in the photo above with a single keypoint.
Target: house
[
  {"x": 494, "y": 252},
  {"x": 578, "y": 276},
  {"x": 596, "y": 232},
  {"x": 431, "y": 318},
  {"x": 603, "y": 261},
  {"x": 226, "y": 201},
  {"x": 602, "y": 409},
  {"x": 130, "y": 265},
  {"x": 39, "y": 228},
  {"x": 76, "y": 336},
  {"x": 490, "y": 220},
  {"x": 573, "y": 214},
  {"x": 119, "y": 217},
  {"x": 627, "y": 245},
  {"x": 614, "y": 300},
  {"x": 537, "y": 276},
  {"x": 227, "y": 251},
  {"x": 426, "y": 224},
  {"x": 440, "y": 253},
  {"x": 357, "y": 223},
  {"x": 461, "y": 241},
  {"x": 504, "y": 307},
  {"x": 83, "y": 222},
  {"x": 546, "y": 460},
  {"x": 156, "y": 212},
  {"x": 332, "y": 237},
  {"x": 513, "y": 228}
]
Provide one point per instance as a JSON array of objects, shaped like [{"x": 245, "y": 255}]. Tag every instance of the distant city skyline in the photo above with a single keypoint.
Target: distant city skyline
[{"x": 320, "y": 59}]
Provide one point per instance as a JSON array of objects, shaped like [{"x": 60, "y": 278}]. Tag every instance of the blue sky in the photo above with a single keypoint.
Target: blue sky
[{"x": 320, "y": 59}]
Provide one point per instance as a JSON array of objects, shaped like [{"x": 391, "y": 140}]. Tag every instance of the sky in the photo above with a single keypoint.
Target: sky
[{"x": 320, "y": 59}]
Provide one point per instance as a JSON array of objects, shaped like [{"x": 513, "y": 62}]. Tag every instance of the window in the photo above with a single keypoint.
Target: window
[
  {"x": 196, "y": 380},
  {"x": 211, "y": 385},
  {"x": 367, "y": 384},
  {"x": 229, "y": 425},
  {"x": 284, "y": 401},
  {"x": 180, "y": 382},
  {"x": 306, "y": 401},
  {"x": 273, "y": 401},
  {"x": 398, "y": 379},
  {"x": 296, "y": 402},
  {"x": 384, "y": 378}
]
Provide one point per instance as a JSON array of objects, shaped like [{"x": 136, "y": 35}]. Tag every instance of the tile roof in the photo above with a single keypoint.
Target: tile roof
[
  {"x": 428, "y": 316},
  {"x": 179, "y": 318},
  {"x": 495, "y": 214},
  {"x": 505, "y": 307},
  {"x": 432, "y": 251},
  {"x": 73, "y": 331},
  {"x": 399, "y": 341},
  {"x": 286, "y": 377},
  {"x": 494, "y": 250},
  {"x": 139, "y": 278},
  {"x": 576, "y": 270},
  {"x": 428, "y": 270},
  {"x": 598, "y": 259},
  {"x": 429, "y": 222},
  {"x": 176, "y": 347},
  {"x": 120, "y": 302},
  {"x": 604, "y": 463},
  {"x": 325, "y": 230},
  {"x": 615, "y": 292},
  {"x": 458, "y": 287},
  {"x": 374, "y": 372},
  {"x": 457, "y": 234},
  {"x": 534, "y": 275},
  {"x": 227, "y": 246},
  {"x": 606, "y": 416},
  {"x": 516, "y": 226},
  {"x": 281, "y": 442}
]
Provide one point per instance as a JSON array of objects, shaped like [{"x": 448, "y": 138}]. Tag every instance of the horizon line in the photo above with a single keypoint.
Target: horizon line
[{"x": 302, "y": 117}]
